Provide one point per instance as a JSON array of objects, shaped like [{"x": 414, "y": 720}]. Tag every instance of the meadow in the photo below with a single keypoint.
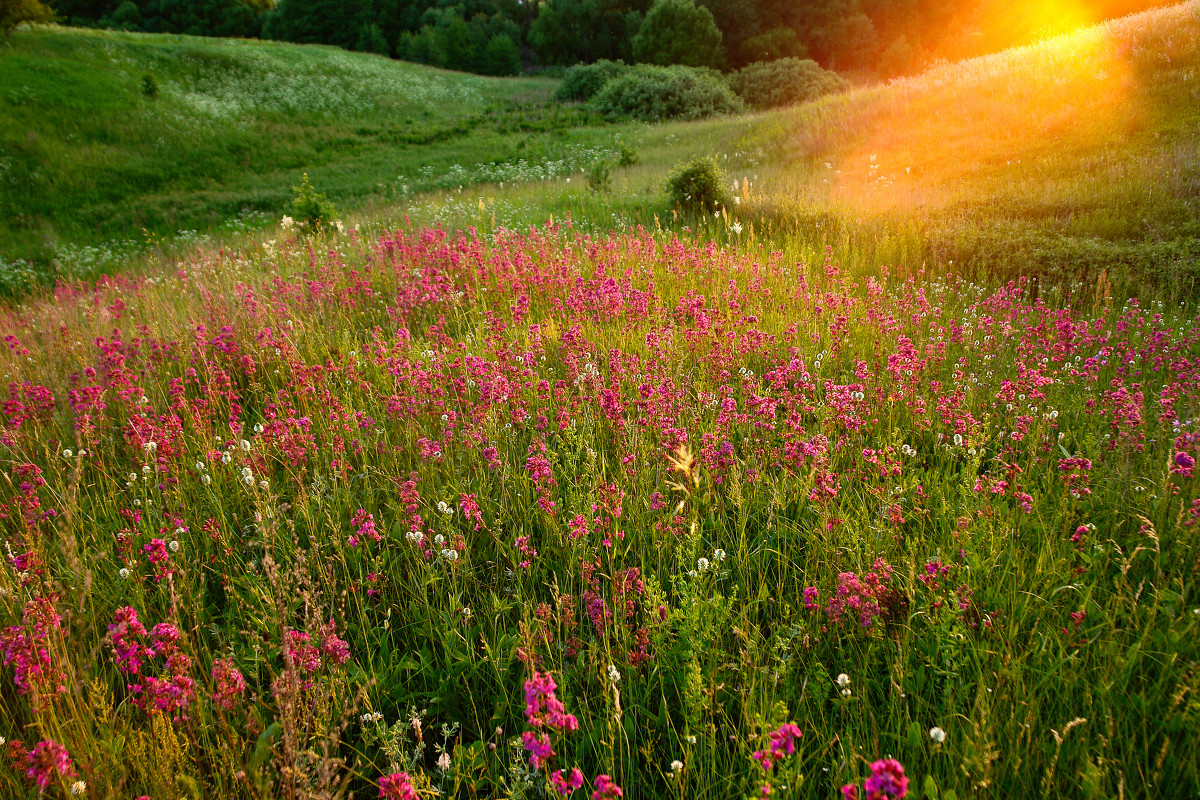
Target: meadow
[{"x": 540, "y": 490}]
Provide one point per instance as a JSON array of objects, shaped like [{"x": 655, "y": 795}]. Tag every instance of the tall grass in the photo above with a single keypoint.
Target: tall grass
[{"x": 393, "y": 480}]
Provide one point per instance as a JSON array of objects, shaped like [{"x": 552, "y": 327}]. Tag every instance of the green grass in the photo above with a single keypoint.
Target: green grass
[
  {"x": 845, "y": 397},
  {"x": 89, "y": 158},
  {"x": 1074, "y": 159}
]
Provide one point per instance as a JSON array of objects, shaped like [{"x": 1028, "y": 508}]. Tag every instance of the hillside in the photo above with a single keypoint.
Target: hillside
[
  {"x": 1069, "y": 159},
  {"x": 92, "y": 152}
]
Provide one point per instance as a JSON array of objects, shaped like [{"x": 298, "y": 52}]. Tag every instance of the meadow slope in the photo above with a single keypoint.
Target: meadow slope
[{"x": 499, "y": 493}]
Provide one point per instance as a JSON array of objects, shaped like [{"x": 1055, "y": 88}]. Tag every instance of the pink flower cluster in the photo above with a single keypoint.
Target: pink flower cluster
[
  {"x": 26, "y": 650},
  {"x": 782, "y": 744},
  {"x": 887, "y": 782},
  {"x": 397, "y": 786},
  {"x": 173, "y": 689}
]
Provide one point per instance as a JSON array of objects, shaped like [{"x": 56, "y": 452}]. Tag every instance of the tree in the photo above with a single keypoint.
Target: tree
[
  {"x": 14, "y": 12},
  {"x": 772, "y": 44},
  {"x": 501, "y": 57},
  {"x": 370, "y": 40},
  {"x": 678, "y": 32},
  {"x": 569, "y": 31}
]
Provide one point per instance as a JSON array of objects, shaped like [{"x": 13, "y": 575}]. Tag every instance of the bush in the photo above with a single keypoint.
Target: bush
[
  {"x": 599, "y": 176},
  {"x": 767, "y": 84},
  {"x": 628, "y": 154},
  {"x": 698, "y": 185},
  {"x": 678, "y": 32},
  {"x": 583, "y": 81},
  {"x": 149, "y": 86},
  {"x": 311, "y": 208},
  {"x": 650, "y": 94}
]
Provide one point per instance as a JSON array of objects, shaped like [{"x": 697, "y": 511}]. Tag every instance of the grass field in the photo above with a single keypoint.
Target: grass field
[
  {"x": 535, "y": 491},
  {"x": 1067, "y": 159}
]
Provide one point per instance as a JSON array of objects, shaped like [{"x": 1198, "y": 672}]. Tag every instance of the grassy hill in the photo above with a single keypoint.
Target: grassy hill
[
  {"x": 105, "y": 134},
  {"x": 1069, "y": 159},
  {"x": 766, "y": 503}
]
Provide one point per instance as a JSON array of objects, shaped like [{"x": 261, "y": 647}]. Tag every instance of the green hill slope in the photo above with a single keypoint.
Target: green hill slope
[{"x": 104, "y": 134}]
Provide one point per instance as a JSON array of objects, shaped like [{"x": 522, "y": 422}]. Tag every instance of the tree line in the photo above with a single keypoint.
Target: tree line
[{"x": 505, "y": 37}]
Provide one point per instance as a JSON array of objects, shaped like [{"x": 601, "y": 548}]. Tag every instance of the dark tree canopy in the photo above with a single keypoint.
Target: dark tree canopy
[{"x": 678, "y": 32}]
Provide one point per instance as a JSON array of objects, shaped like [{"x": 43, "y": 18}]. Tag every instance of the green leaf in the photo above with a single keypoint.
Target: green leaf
[{"x": 930, "y": 787}]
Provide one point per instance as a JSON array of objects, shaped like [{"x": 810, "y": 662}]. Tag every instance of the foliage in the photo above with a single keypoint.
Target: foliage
[
  {"x": 651, "y": 93},
  {"x": 677, "y": 32},
  {"x": 569, "y": 31},
  {"x": 767, "y": 84},
  {"x": 17, "y": 12},
  {"x": 599, "y": 176},
  {"x": 771, "y": 44},
  {"x": 149, "y": 86},
  {"x": 699, "y": 185},
  {"x": 310, "y": 207},
  {"x": 582, "y": 81},
  {"x": 333, "y": 512}
]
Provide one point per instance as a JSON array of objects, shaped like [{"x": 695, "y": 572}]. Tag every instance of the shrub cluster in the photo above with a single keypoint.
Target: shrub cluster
[
  {"x": 650, "y": 93},
  {"x": 698, "y": 185},
  {"x": 766, "y": 84},
  {"x": 583, "y": 81}
]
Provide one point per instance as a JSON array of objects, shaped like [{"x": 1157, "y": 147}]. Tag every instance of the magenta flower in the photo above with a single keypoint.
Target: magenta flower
[
  {"x": 397, "y": 786},
  {"x": 887, "y": 781},
  {"x": 539, "y": 748},
  {"x": 46, "y": 758},
  {"x": 564, "y": 786},
  {"x": 606, "y": 789},
  {"x": 230, "y": 685}
]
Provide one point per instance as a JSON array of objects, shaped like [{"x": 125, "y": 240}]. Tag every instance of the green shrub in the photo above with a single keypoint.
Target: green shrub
[
  {"x": 698, "y": 185},
  {"x": 599, "y": 176},
  {"x": 310, "y": 207},
  {"x": 583, "y": 81},
  {"x": 649, "y": 94},
  {"x": 766, "y": 84},
  {"x": 149, "y": 86},
  {"x": 627, "y": 154}
]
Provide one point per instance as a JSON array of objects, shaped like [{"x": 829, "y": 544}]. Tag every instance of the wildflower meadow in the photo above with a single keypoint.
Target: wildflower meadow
[{"x": 538, "y": 513}]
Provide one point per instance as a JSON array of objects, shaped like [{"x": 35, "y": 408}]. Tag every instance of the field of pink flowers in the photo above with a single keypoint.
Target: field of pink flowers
[{"x": 543, "y": 515}]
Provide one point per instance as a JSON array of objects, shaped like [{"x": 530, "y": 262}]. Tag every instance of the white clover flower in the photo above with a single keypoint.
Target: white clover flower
[
  {"x": 82, "y": 452},
  {"x": 200, "y": 466},
  {"x": 258, "y": 428},
  {"x": 450, "y": 555},
  {"x": 264, "y": 485},
  {"x": 937, "y": 734},
  {"x": 614, "y": 675},
  {"x": 173, "y": 546},
  {"x": 206, "y": 479},
  {"x": 123, "y": 572},
  {"x": 371, "y": 716},
  {"x": 702, "y": 564},
  {"x": 150, "y": 447},
  {"x": 676, "y": 765},
  {"x": 691, "y": 740},
  {"x": 226, "y": 458},
  {"x": 718, "y": 555},
  {"x": 146, "y": 469},
  {"x": 249, "y": 479},
  {"x": 416, "y": 537},
  {"x": 78, "y": 787},
  {"x": 439, "y": 540},
  {"x": 958, "y": 440},
  {"x": 245, "y": 446},
  {"x": 67, "y": 453},
  {"x": 846, "y": 692},
  {"x": 843, "y": 680},
  {"x": 133, "y": 477}
]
